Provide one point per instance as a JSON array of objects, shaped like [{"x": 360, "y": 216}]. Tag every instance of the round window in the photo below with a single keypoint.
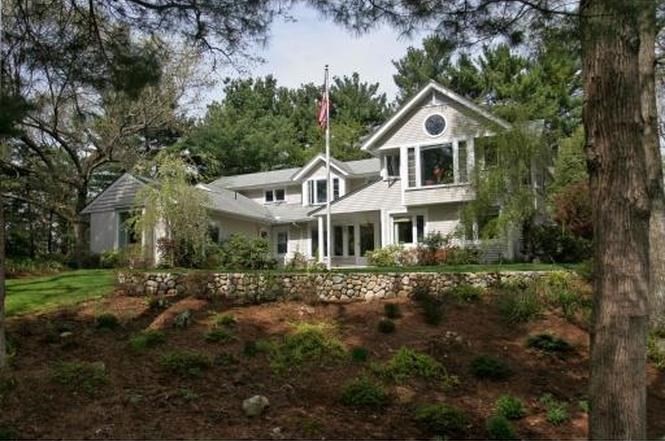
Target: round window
[{"x": 435, "y": 124}]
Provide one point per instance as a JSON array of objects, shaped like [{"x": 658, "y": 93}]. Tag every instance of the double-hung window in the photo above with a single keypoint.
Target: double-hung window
[
  {"x": 392, "y": 165},
  {"x": 275, "y": 195},
  {"x": 404, "y": 231}
]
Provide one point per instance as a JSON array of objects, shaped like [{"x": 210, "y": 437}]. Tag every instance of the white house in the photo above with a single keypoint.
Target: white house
[{"x": 416, "y": 182}]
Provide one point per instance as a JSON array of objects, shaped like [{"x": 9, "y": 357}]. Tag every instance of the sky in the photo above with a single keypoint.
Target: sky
[{"x": 297, "y": 52}]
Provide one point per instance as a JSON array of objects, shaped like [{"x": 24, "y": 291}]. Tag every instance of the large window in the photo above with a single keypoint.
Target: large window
[
  {"x": 404, "y": 231},
  {"x": 282, "y": 242},
  {"x": 126, "y": 234},
  {"x": 436, "y": 165},
  {"x": 366, "y": 238},
  {"x": 318, "y": 191},
  {"x": 392, "y": 165},
  {"x": 351, "y": 240}
]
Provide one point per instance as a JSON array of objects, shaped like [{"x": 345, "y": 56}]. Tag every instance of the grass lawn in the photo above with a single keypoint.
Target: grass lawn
[
  {"x": 38, "y": 294},
  {"x": 472, "y": 268}
]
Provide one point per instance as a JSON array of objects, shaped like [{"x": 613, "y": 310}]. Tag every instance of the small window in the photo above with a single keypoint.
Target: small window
[
  {"x": 214, "y": 233},
  {"x": 276, "y": 195},
  {"x": 392, "y": 165},
  {"x": 420, "y": 228},
  {"x": 282, "y": 242},
  {"x": 321, "y": 192},
  {"x": 403, "y": 230},
  {"x": 338, "y": 240},
  {"x": 435, "y": 124},
  {"x": 279, "y": 194},
  {"x": 318, "y": 191},
  {"x": 263, "y": 234},
  {"x": 351, "y": 240},
  {"x": 335, "y": 189},
  {"x": 269, "y": 196}
]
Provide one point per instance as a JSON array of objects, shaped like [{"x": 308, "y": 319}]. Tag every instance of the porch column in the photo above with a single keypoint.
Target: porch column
[
  {"x": 321, "y": 236},
  {"x": 356, "y": 241},
  {"x": 345, "y": 241},
  {"x": 383, "y": 228}
]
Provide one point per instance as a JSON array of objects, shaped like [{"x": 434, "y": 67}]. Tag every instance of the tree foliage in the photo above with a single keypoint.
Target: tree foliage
[
  {"x": 172, "y": 203},
  {"x": 261, "y": 126}
]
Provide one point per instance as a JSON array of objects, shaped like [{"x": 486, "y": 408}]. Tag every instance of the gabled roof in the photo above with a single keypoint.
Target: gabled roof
[
  {"x": 120, "y": 194},
  {"x": 334, "y": 163},
  {"x": 375, "y": 196},
  {"x": 432, "y": 86}
]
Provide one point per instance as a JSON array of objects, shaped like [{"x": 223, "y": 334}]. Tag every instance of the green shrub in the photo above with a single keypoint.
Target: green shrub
[
  {"x": 518, "y": 305},
  {"x": 560, "y": 292},
  {"x": 441, "y": 419},
  {"x": 241, "y": 252},
  {"x": 557, "y": 411},
  {"x": 251, "y": 348},
  {"x": 430, "y": 306},
  {"x": 218, "y": 335},
  {"x": 183, "y": 320},
  {"x": 146, "y": 340},
  {"x": 107, "y": 321},
  {"x": 359, "y": 354},
  {"x": 392, "y": 311},
  {"x": 386, "y": 326},
  {"x": 392, "y": 255},
  {"x": 466, "y": 293},
  {"x": 26, "y": 266},
  {"x": 308, "y": 343},
  {"x": 584, "y": 406},
  {"x": 407, "y": 363},
  {"x": 110, "y": 259},
  {"x": 509, "y": 407},
  {"x": 491, "y": 368},
  {"x": 363, "y": 392},
  {"x": 225, "y": 320},
  {"x": 467, "y": 255},
  {"x": 548, "y": 343},
  {"x": 498, "y": 427},
  {"x": 83, "y": 376},
  {"x": 185, "y": 363}
]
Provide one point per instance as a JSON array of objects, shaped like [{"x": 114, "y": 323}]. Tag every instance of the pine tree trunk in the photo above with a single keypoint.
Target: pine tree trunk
[
  {"x": 651, "y": 142},
  {"x": 3, "y": 343},
  {"x": 621, "y": 208}
]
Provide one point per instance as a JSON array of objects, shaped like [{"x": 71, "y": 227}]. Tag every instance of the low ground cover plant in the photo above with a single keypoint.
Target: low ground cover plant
[
  {"x": 359, "y": 354},
  {"x": 80, "y": 376},
  {"x": 490, "y": 368},
  {"x": 656, "y": 348},
  {"x": 309, "y": 342},
  {"x": 431, "y": 307},
  {"x": 465, "y": 292},
  {"x": 218, "y": 335},
  {"x": 386, "y": 326},
  {"x": 557, "y": 411},
  {"x": 548, "y": 343},
  {"x": 519, "y": 304},
  {"x": 392, "y": 311},
  {"x": 509, "y": 407},
  {"x": 441, "y": 420},
  {"x": 408, "y": 363},
  {"x": 147, "y": 340},
  {"x": 185, "y": 363},
  {"x": 107, "y": 321},
  {"x": 499, "y": 428},
  {"x": 224, "y": 320},
  {"x": 363, "y": 392}
]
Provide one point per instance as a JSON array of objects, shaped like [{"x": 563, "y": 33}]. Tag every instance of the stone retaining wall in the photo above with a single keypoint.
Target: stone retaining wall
[{"x": 329, "y": 287}]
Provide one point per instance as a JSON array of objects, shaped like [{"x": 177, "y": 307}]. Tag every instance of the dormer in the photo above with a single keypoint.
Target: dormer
[{"x": 312, "y": 177}]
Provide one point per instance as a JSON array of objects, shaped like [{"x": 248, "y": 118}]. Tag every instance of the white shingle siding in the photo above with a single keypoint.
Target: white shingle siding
[
  {"x": 443, "y": 219},
  {"x": 438, "y": 195},
  {"x": 103, "y": 231},
  {"x": 459, "y": 124}
]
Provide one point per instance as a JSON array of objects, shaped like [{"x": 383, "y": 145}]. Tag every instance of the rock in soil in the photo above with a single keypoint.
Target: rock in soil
[{"x": 255, "y": 406}]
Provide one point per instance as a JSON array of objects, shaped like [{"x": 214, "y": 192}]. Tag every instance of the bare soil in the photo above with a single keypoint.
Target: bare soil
[{"x": 141, "y": 400}]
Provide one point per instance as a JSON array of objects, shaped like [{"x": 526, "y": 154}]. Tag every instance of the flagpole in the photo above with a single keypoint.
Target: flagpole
[{"x": 328, "y": 183}]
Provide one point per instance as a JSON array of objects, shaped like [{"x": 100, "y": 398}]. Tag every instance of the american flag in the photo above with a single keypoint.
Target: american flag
[{"x": 322, "y": 114}]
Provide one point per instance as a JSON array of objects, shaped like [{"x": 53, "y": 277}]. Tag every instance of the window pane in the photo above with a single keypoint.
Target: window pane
[
  {"x": 404, "y": 230},
  {"x": 462, "y": 175},
  {"x": 269, "y": 196},
  {"x": 411, "y": 158},
  {"x": 366, "y": 238},
  {"x": 392, "y": 165},
  {"x": 310, "y": 190},
  {"x": 321, "y": 191},
  {"x": 315, "y": 242},
  {"x": 351, "y": 240},
  {"x": 338, "y": 240},
  {"x": 282, "y": 242},
  {"x": 279, "y": 194},
  {"x": 437, "y": 165},
  {"x": 420, "y": 228},
  {"x": 335, "y": 188}
]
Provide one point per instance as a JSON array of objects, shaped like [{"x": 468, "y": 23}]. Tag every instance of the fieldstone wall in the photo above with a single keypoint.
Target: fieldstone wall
[{"x": 328, "y": 287}]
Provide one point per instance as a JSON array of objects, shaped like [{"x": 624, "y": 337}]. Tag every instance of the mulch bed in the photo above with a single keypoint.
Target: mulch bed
[{"x": 141, "y": 400}]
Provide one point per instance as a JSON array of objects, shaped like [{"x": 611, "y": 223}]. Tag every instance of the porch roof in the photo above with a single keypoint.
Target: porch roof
[{"x": 383, "y": 194}]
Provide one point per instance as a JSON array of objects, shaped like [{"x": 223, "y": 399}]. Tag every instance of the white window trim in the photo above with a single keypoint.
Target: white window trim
[
  {"x": 312, "y": 200},
  {"x": 413, "y": 215},
  {"x": 274, "y": 199},
  {"x": 470, "y": 160},
  {"x": 445, "y": 128}
]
